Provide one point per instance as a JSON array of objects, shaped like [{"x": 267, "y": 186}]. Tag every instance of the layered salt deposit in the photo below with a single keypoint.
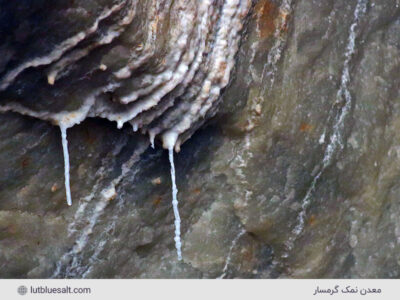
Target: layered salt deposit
[{"x": 159, "y": 65}]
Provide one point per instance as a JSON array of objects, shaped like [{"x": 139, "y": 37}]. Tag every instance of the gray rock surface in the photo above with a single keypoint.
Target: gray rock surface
[{"x": 297, "y": 176}]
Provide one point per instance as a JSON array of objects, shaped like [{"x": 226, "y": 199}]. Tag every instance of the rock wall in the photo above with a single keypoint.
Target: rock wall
[{"x": 297, "y": 176}]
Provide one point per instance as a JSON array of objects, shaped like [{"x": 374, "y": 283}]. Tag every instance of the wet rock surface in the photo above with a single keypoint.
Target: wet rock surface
[{"x": 297, "y": 175}]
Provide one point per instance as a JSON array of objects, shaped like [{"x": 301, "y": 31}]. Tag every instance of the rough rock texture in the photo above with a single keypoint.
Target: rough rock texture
[{"x": 298, "y": 175}]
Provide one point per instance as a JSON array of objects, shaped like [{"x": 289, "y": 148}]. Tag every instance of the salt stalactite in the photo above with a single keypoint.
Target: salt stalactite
[
  {"x": 170, "y": 141},
  {"x": 64, "y": 140},
  {"x": 177, "y": 222}
]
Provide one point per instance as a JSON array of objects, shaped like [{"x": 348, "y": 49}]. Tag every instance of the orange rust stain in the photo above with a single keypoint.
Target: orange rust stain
[
  {"x": 156, "y": 181},
  {"x": 25, "y": 162},
  {"x": 54, "y": 187},
  {"x": 266, "y": 13},
  {"x": 196, "y": 191},
  {"x": 312, "y": 220},
  {"x": 157, "y": 201},
  {"x": 283, "y": 18},
  {"x": 304, "y": 127}
]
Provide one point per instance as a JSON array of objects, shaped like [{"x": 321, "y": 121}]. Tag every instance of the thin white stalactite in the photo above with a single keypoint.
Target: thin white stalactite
[
  {"x": 177, "y": 222},
  {"x": 64, "y": 141}
]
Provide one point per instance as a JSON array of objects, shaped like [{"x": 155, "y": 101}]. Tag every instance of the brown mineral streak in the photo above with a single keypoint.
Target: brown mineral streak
[
  {"x": 304, "y": 127},
  {"x": 266, "y": 12},
  {"x": 157, "y": 201}
]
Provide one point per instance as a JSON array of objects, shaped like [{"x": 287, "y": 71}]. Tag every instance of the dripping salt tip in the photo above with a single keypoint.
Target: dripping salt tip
[{"x": 169, "y": 139}]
